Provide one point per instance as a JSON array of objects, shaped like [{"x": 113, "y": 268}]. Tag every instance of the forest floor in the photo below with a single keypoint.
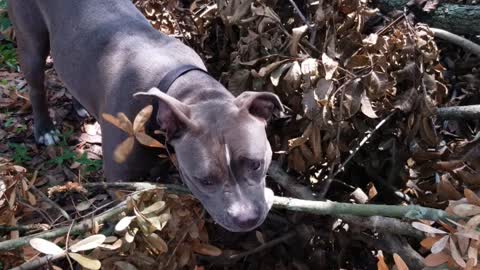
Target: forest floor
[{"x": 364, "y": 93}]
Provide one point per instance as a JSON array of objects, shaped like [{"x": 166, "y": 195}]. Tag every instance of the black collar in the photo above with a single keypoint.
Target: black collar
[{"x": 174, "y": 74}]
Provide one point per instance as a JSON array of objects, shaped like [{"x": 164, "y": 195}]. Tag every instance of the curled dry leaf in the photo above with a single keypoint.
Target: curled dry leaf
[
  {"x": 46, "y": 247},
  {"x": 297, "y": 34},
  {"x": 399, "y": 262},
  {"x": 123, "y": 150},
  {"x": 88, "y": 243},
  {"x": 277, "y": 74},
  {"x": 426, "y": 228},
  {"x": 86, "y": 261}
]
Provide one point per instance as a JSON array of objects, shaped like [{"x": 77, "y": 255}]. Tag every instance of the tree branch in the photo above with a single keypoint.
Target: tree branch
[{"x": 469, "y": 112}]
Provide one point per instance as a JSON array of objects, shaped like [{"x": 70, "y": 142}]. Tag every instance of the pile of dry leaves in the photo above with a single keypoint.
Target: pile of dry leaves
[{"x": 361, "y": 93}]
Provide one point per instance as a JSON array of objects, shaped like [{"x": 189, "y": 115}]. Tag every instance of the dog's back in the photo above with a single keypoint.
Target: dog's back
[{"x": 98, "y": 46}]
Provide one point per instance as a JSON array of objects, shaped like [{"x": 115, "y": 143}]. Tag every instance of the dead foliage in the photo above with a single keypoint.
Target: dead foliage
[{"x": 341, "y": 69}]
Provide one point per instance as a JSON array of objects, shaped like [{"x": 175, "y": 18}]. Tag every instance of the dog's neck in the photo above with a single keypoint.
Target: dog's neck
[{"x": 186, "y": 88}]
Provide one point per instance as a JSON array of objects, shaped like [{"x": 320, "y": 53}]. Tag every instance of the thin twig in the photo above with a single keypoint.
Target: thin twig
[
  {"x": 362, "y": 142},
  {"x": 354, "y": 152},
  {"x": 299, "y": 12},
  {"x": 67, "y": 242},
  {"x": 52, "y": 203}
]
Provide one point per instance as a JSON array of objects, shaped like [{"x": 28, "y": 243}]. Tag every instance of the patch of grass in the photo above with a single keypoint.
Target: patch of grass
[
  {"x": 20, "y": 154},
  {"x": 66, "y": 156},
  {"x": 90, "y": 165},
  {"x": 9, "y": 122},
  {"x": 8, "y": 56},
  {"x": 69, "y": 156}
]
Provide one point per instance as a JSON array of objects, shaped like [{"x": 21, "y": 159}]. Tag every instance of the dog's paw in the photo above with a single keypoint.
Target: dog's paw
[{"x": 49, "y": 138}]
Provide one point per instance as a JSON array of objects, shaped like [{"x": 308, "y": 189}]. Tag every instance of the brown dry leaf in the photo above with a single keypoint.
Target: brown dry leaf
[
  {"x": 399, "y": 262},
  {"x": 471, "y": 197},
  {"x": 440, "y": 245},
  {"x": 456, "y": 254},
  {"x": 277, "y": 74},
  {"x": 470, "y": 264},
  {"x": 157, "y": 242},
  {"x": 86, "y": 261},
  {"x": 447, "y": 190},
  {"x": 121, "y": 122},
  {"x": 473, "y": 252},
  {"x": 206, "y": 249},
  {"x": 141, "y": 119},
  {"x": 123, "y": 150},
  {"x": 367, "y": 108},
  {"x": 429, "y": 241},
  {"x": 351, "y": 100},
  {"x": 448, "y": 166},
  {"x": 471, "y": 178},
  {"x": 297, "y": 34},
  {"x": 473, "y": 223},
  {"x": 466, "y": 210},
  {"x": 147, "y": 140},
  {"x": 438, "y": 259},
  {"x": 381, "y": 265},
  {"x": 329, "y": 65},
  {"x": 267, "y": 70}
]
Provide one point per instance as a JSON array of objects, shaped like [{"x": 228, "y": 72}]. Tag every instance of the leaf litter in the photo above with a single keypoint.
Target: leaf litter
[{"x": 338, "y": 77}]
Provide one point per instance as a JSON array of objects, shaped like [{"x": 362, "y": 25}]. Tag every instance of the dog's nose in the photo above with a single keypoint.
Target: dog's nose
[{"x": 244, "y": 215}]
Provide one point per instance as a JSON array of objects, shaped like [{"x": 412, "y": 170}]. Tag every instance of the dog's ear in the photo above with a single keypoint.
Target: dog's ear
[
  {"x": 173, "y": 115},
  {"x": 259, "y": 104}
]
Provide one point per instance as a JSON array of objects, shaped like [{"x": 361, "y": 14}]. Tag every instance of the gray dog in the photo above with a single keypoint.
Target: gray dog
[{"x": 105, "y": 52}]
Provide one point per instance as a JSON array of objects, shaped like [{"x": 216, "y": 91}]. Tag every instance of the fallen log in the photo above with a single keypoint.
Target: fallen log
[{"x": 451, "y": 17}]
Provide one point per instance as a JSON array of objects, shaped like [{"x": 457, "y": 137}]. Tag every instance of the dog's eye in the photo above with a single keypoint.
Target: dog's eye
[
  {"x": 206, "y": 182},
  {"x": 253, "y": 165}
]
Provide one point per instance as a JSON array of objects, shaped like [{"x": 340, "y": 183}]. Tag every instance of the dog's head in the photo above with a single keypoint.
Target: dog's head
[{"x": 223, "y": 153}]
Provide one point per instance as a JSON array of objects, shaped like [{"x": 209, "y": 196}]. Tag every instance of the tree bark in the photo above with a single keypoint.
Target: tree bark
[{"x": 457, "y": 19}]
